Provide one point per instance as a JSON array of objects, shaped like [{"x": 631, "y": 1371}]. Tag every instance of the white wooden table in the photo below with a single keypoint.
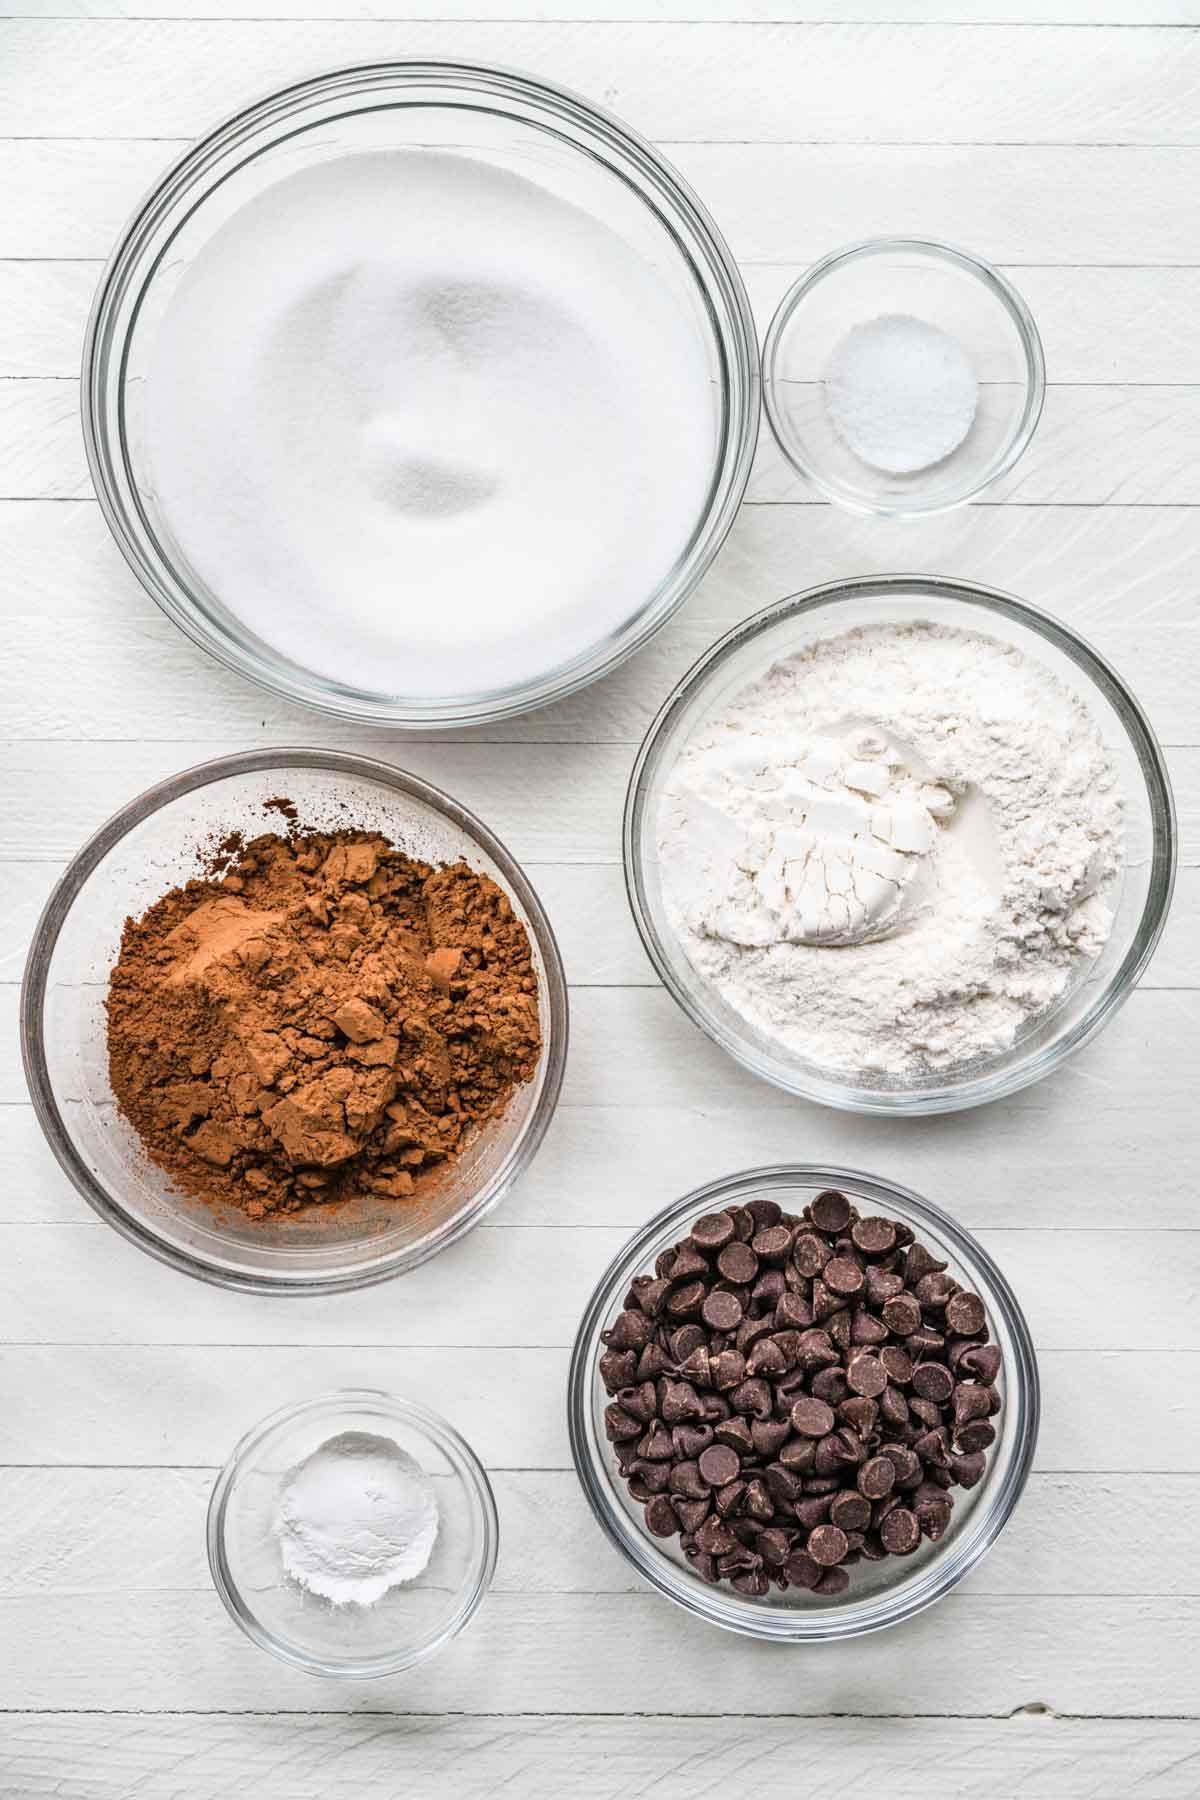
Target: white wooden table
[{"x": 1067, "y": 1668}]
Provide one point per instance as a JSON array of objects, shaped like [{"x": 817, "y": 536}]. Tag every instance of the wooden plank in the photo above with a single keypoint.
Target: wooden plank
[
  {"x": 1137, "y": 446},
  {"x": 652, "y": 1109},
  {"x": 1134, "y": 1412},
  {"x": 62, "y": 1284},
  {"x": 215, "y": 1757},
  {"x": 913, "y": 13},
  {"x": 69, "y": 1535},
  {"x": 779, "y": 82},
  {"x": 591, "y": 918},
  {"x": 974, "y": 1654},
  {"x": 1096, "y": 324},
  {"x": 777, "y": 203},
  {"x": 1122, "y": 576}
]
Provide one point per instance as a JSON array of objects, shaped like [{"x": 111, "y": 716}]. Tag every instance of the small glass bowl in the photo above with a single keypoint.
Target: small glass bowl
[
  {"x": 410, "y": 1623},
  {"x": 1142, "y": 898},
  {"x": 960, "y": 295},
  {"x": 508, "y": 121},
  {"x": 154, "y": 844},
  {"x": 880, "y": 1593}
]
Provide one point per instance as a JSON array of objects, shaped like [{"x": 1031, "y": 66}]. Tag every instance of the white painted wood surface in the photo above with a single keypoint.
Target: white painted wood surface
[{"x": 1061, "y": 138}]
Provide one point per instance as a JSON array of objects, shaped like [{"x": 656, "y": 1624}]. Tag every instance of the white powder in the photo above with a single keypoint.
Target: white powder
[
  {"x": 895, "y": 849},
  {"x": 356, "y": 1518},
  {"x": 900, "y": 393},
  {"x": 425, "y": 427}
]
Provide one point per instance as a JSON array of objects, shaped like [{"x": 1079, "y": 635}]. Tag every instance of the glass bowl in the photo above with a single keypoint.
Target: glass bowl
[
  {"x": 880, "y": 1593},
  {"x": 409, "y": 1623},
  {"x": 1146, "y": 883},
  {"x": 509, "y": 121},
  {"x": 157, "y": 842},
  {"x": 946, "y": 288}
]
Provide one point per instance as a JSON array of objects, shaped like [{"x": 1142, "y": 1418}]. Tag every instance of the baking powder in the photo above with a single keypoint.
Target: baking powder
[
  {"x": 356, "y": 1518},
  {"x": 895, "y": 849}
]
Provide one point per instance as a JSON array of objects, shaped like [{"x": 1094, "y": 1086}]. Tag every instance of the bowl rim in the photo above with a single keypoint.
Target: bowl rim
[
  {"x": 386, "y": 1405},
  {"x": 66, "y": 891},
  {"x": 951, "y": 1095},
  {"x": 734, "y": 330},
  {"x": 901, "y": 507},
  {"x": 852, "y": 1618}
]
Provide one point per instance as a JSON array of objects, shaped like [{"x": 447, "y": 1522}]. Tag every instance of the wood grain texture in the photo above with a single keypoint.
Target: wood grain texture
[
  {"x": 221, "y": 1757},
  {"x": 70, "y": 1536},
  {"x": 775, "y": 202},
  {"x": 850, "y": 83},
  {"x": 119, "y": 1404},
  {"x": 1115, "y": 325},
  {"x": 181, "y": 1651},
  {"x": 1058, "y": 138},
  {"x": 1123, "y": 576}
]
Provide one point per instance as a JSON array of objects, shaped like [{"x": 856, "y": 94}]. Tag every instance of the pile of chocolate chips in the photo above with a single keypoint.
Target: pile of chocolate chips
[{"x": 795, "y": 1395}]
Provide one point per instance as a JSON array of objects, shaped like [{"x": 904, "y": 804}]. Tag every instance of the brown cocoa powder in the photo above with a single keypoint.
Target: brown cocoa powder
[{"x": 323, "y": 1020}]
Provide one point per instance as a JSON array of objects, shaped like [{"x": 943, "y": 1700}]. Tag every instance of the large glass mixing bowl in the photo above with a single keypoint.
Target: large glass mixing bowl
[{"x": 576, "y": 152}]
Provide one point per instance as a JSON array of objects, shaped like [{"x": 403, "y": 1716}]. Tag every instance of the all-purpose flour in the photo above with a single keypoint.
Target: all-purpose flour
[
  {"x": 425, "y": 427},
  {"x": 894, "y": 849}
]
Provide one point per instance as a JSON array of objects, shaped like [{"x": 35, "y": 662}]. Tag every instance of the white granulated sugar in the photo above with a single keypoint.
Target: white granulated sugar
[
  {"x": 356, "y": 1518},
  {"x": 895, "y": 849},
  {"x": 901, "y": 393},
  {"x": 424, "y": 426}
]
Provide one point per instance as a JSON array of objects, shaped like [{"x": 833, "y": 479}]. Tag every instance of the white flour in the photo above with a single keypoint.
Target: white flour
[
  {"x": 424, "y": 426},
  {"x": 894, "y": 849},
  {"x": 356, "y": 1518},
  {"x": 901, "y": 393}
]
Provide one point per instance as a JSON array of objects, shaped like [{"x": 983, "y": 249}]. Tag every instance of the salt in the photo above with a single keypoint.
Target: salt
[{"x": 900, "y": 393}]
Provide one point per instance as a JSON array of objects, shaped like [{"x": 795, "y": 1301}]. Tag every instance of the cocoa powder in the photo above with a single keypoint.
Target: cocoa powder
[{"x": 323, "y": 1020}]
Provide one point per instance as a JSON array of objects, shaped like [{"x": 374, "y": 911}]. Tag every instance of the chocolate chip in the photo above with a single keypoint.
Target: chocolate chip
[
  {"x": 774, "y": 1546},
  {"x": 719, "y": 1464},
  {"x": 764, "y": 1212},
  {"x": 712, "y": 1231},
  {"x": 842, "y": 1275},
  {"x": 752, "y": 1396},
  {"x": 660, "y": 1517},
  {"x": 866, "y": 1375},
  {"x": 900, "y": 1532},
  {"x": 723, "y": 1312},
  {"x": 827, "y": 1545},
  {"x": 617, "y": 1369},
  {"x": 618, "y": 1426},
  {"x": 728, "y": 1369},
  {"x": 685, "y": 1340},
  {"x": 737, "y": 1434},
  {"x": 728, "y": 1499},
  {"x": 830, "y": 1212},
  {"x": 933, "y": 1381},
  {"x": 968, "y": 1470},
  {"x": 833, "y": 1581},
  {"x": 683, "y": 1301},
  {"x": 898, "y": 1364},
  {"x": 794, "y": 1311},
  {"x": 902, "y": 1314},
  {"x": 629, "y": 1331},
  {"x": 867, "y": 1329},
  {"x": 772, "y": 1243},
  {"x": 687, "y": 1481},
  {"x": 978, "y": 1436},
  {"x": 882, "y": 1284},
  {"x": 737, "y": 1262},
  {"x": 873, "y": 1236},
  {"x": 876, "y": 1478},
  {"x": 965, "y": 1314},
  {"x": 697, "y": 1367},
  {"x": 690, "y": 1513},
  {"x": 849, "y": 1510},
  {"x": 812, "y": 1418},
  {"x": 689, "y": 1440},
  {"x": 859, "y": 1413},
  {"x": 919, "y": 1262},
  {"x": 801, "y": 1570},
  {"x": 758, "y": 1503},
  {"x": 971, "y": 1402},
  {"x": 810, "y": 1253},
  {"x": 982, "y": 1361}
]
